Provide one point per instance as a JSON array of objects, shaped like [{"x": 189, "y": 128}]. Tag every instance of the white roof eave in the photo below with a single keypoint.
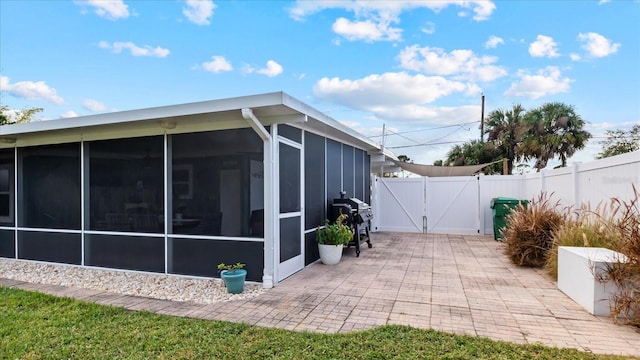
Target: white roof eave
[
  {"x": 148, "y": 114},
  {"x": 267, "y": 107}
]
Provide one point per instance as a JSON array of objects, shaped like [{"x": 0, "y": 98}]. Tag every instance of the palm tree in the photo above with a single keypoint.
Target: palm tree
[
  {"x": 553, "y": 129},
  {"x": 474, "y": 153},
  {"x": 506, "y": 129}
]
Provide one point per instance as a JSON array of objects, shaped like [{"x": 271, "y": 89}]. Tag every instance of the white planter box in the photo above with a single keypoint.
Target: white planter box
[{"x": 579, "y": 269}]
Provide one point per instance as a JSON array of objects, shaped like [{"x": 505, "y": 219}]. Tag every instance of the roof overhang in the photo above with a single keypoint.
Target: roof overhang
[{"x": 268, "y": 108}]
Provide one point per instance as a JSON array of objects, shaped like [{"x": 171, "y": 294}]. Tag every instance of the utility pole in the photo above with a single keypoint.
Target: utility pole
[
  {"x": 382, "y": 149},
  {"x": 482, "y": 121}
]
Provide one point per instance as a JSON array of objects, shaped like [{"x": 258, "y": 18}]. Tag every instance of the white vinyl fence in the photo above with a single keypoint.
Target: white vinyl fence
[{"x": 461, "y": 204}]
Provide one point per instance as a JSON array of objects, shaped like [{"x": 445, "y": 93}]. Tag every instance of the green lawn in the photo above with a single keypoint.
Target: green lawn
[{"x": 39, "y": 326}]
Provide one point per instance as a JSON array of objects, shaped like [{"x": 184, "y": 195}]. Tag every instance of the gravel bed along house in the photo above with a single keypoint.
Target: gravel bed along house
[{"x": 158, "y": 286}]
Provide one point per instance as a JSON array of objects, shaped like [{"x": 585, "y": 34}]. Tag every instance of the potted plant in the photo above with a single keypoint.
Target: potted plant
[
  {"x": 331, "y": 238},
  {"x": 233, "y": 276}
]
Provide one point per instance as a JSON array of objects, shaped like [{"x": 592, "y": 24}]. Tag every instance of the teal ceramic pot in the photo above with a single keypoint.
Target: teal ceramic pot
[{"x": 234, "y": 281}]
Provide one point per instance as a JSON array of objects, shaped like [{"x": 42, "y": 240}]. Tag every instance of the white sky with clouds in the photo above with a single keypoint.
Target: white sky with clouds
[{"x": 417, "y": 67}]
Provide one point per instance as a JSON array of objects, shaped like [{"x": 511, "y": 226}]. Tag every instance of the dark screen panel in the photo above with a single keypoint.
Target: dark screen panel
[
  {"x": 367, "y": 178},
  {"x": 217, "y": 183},
  {"x": 334, "y": 170},
  {"x": 347, "y": 170},
  {"x": 53, "y": 247},
  {"x": 7, "y": 244},
  {"x": 359, "y": 174},
  {"x": 315, "y": 202},
  {"x": 126, "y": 184},
  {"x": 310, "y": 248},
  {"x": 289, "y": 179},
  {"x": 50, "y": 191},
  {"x": 7, "y": 188},
  {"x": 290, "y": 133},
  {"x": 200, "y": 257},
  {"x": 125, "y": 252},
  {"x": 289, "y": 238}
]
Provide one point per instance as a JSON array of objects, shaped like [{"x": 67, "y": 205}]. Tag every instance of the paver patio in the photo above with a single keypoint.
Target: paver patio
[{"x": 456, "y": 283}]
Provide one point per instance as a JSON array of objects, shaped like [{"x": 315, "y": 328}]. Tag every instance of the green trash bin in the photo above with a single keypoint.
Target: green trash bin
[{"x": 501, "y": 206}]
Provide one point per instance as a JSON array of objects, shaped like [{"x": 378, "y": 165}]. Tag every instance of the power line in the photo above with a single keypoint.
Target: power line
[
  {"x": 427, "y": 129},
  {"x": 434, "y": 141},
  {"x": 402, "y": 136},
  {"x": 425, "y": 144}
]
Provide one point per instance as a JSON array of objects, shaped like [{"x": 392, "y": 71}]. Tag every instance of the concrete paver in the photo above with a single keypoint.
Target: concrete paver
[{"x": 456, "y": 283}]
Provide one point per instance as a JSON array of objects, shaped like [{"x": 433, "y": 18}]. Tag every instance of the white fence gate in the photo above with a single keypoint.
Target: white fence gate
[
  {"x": 460, "y": 204},
  {"x": 457, "y": 204}
]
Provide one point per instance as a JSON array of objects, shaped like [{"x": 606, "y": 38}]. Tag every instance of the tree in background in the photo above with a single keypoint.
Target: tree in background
[
  {"x": 404, "y": 158},
  {"x": 8, "y": 116},
  {"x": 506, "y": 129},
  {"x": 475, "y": 152},
  {"x": 552, "y": 129},
  {"x": 620, "y": 142}
]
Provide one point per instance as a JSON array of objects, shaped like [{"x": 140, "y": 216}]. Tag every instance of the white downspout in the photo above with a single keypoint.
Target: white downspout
[{"x": 269, "y": 235}]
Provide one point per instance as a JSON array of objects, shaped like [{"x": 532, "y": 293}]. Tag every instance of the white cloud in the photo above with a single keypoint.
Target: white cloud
[
  {"x": 603, "y": 2},
  {"x": 271, "y": 70},
  {"x": 119, "y": 46},
  {"x": 377, "y": 92},
  {"x": 575, "y": 57},
  {"x": 412, "y": 114},
  {"x": 303, "y": 8},
  {"x": 367, "y": 30},
  {"x": 493, "y": 42},
  {"x": 428, "y": 28},
  {"x": 597, "y": 45},
  {"x": 372, "y": 19},
  {"x": 108, "y": 9},
  {"x": 69, "y": 114},
  {"x": 544, "y": 46},
  {"x": 30, "y": 90},
  {"x": 94, "y": 105},
  {"x": 217, "y": 64},
  {"x": 199, "y": 12},
  {"x": 462, "y": 63},
  {"x": 546, "y": 81}
]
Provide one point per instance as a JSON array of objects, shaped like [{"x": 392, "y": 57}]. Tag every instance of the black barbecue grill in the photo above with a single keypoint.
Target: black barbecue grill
[{"x": 359, "y": 217}]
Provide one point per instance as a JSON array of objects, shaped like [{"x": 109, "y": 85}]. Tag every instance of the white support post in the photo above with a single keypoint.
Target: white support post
[
  {"x": 268, "y": 272},
  {"x": 268, "y": 276}
]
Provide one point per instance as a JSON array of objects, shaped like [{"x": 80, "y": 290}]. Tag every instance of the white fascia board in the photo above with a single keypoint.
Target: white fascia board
[
  {"x": 155, "y": 113},
  {"x": 270, "y": 108}
]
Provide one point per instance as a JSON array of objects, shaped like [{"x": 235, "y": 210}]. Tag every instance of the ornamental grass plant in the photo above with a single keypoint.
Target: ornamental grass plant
[
  {"x": 626, "y": 274},
  {"x": 589, "y": 228},
  {"x": 529, "y": 233},
  {"x": 616, "y": 227}
]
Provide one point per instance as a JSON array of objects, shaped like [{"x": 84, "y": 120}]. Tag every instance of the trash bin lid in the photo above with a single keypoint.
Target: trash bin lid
[{"x": 505, "y": 200}]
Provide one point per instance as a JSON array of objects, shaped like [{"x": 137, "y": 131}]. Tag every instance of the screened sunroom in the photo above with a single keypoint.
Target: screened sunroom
[{"x": 179, "y": 189}]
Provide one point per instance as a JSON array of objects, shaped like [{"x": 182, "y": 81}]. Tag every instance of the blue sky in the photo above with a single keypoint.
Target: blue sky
[{"x": 417, "y": 68}]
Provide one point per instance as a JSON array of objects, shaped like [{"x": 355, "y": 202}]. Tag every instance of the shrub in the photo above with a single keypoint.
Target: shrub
[
  {"x": 589, "y": 229},
  {"x": 528, "y": 235},
  {"x": 626, "y": 275}
]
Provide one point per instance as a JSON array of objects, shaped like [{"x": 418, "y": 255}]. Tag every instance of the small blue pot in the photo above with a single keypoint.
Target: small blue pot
[{"x": 234, "y": 281}]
